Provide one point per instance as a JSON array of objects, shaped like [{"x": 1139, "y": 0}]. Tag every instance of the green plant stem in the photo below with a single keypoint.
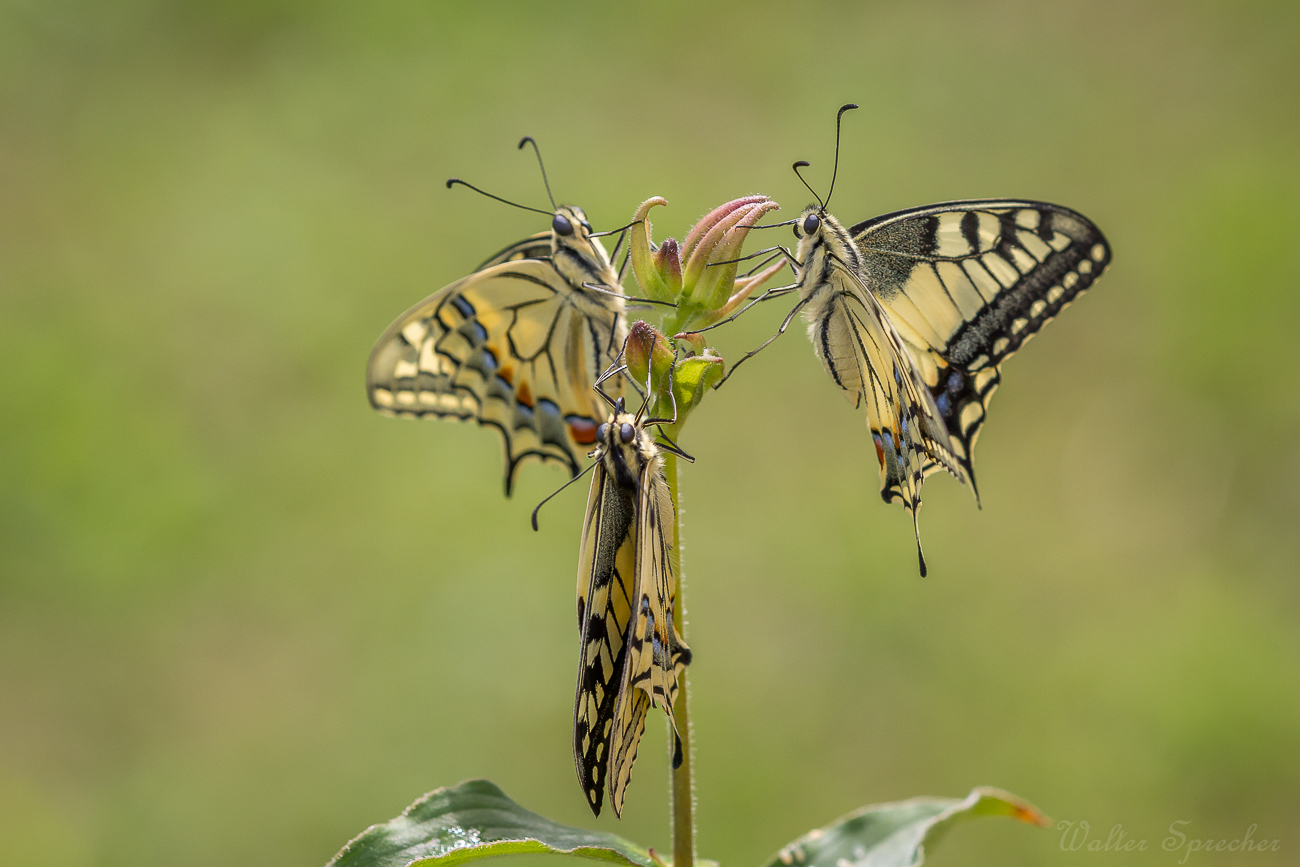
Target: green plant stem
[{"x": 683, "y": 789}]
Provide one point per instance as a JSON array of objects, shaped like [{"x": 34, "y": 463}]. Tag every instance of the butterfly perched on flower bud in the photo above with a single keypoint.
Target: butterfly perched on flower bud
[{"x": 517, "y": 345}]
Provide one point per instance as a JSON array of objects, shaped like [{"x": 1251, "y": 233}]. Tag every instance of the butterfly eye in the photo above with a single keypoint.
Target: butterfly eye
[
  {"x": 626, "y": 433},
  {"x": 602, "y": 431},
  {"x": 561, "y": 225},
  {"x": 811, "y": 223}
]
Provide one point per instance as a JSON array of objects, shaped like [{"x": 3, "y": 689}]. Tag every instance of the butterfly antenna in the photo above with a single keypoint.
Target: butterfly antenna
[
  {"x": 615, "y": 232},
  {"x": 530, "y": 140},
  {"x": 803, "y": 164},
  {"x": 453, "y": 181},
  {"x": 560, "y": 488},
  {"x": 836, "y": 170}
]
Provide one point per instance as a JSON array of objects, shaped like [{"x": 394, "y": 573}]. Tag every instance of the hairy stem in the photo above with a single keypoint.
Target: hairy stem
[{"x": 683, "y": 789}]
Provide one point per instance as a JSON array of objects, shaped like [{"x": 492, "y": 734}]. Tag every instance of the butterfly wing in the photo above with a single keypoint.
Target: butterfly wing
[
  {"x": 606, "y": 570},
  {"x": 656, "y": 653},
  {"x": 864, "y": 354},
  {"x": 536, "y": 246},
  {"x": 967, "y": 283},
  {"x": 508, "y": 347}
]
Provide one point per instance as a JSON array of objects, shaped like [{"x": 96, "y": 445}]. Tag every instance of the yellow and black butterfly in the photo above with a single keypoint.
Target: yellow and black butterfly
[
  {"x": 517, "y": 345},
  {"x": 631, "y": 655},
  {"x": 912, "y": 314}
]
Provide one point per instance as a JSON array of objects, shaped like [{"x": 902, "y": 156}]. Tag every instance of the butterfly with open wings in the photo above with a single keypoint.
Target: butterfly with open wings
[
  {"x": 913, "y": 313},
  {"x": 517, "y": 345}
]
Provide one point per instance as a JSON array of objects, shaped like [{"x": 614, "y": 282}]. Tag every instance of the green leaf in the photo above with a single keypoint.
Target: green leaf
[
  {"x": 476, "y": 820},
  {"x": 895, "y": 835}
]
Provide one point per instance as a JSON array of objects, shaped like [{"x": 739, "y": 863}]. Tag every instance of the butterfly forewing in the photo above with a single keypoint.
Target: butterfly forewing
[
  {"x": 967, "y": 283},
  {"x": 533, "y": 247},
  {"x": 656, "y": 653},
  {"x": 516, "y": 345},
  {"x": 631, "y": 654},
  {"x": 606, "y": 571}
]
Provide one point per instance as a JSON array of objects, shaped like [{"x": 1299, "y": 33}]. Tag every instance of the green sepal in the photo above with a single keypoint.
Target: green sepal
[
  {"x": 644, "y": 266},
  {"x": 692, "y": 379}
]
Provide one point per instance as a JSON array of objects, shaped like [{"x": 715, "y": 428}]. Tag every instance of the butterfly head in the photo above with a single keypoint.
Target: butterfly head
[
  {"x": 624, "y": 446},
  {"x": 819, "y": 233},
  {"x": 579, "y": 256},
  {"x": 570, "y": 222}
]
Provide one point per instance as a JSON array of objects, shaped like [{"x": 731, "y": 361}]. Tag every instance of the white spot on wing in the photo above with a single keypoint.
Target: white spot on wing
[
  {"x": 983, "y": 280},
  {"x": 1001, "y": 269},
  {"x": 1098, "y": 252},
  {"x": 430, "y": 360},
  {"x": 948, "y": 238},
  {"x": 383, "y": 396},
  {"x": 1035, "y": 245},
  {"x": 1085, "y": 267},
  {"x": 1036, "y": 309},
  {"x": 989, "y": 230},
  {"x": 405, "y": 369},
  {"x": 1054, "y": 294},
  {"x": 414, "y": 333},
  {"x": 1023, "y": 260},
  {"x": 1027, "y": 218},
  {"x": 1059, "y": 241}
]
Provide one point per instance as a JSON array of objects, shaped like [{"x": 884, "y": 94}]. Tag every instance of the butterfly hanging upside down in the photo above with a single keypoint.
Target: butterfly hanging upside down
[
  {"x": 912, "y": 314},
  {"x": 631, "y": 656},
  {"x": 516, "y": 345}
]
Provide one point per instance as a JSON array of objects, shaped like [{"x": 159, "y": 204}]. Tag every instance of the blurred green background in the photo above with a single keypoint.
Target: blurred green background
[{"x": 242, "y": 616}]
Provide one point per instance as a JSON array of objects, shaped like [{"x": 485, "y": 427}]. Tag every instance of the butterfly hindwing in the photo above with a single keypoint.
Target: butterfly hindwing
[
  {"x": 967, "y": 283},
  {"x": 867, "y": 359}
]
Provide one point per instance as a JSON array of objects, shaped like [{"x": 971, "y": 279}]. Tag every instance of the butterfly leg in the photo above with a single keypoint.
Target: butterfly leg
[
  {"x": 778, "y": 249},
  {"x": 775, "y": 292},
  {"x": 623, "y": 268},
  {"x": 672, "y": 371},
  {"x": 753, "y": 352},
  {"x": 611, "y": 372},
  {"x": 605, "y": 290},
  {"x": 671, "y": 446}
]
